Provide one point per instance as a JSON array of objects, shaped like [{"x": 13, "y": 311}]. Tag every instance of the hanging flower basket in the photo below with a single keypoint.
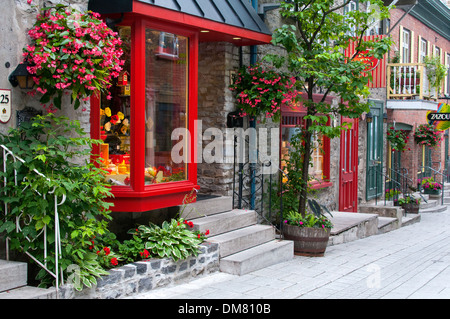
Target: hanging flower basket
[
  {"x": 73, "y": 51},
  {"x": 261, "y": 92},
  {"x": 427, "y": 135},
  {"x": 398, "y": 139}
]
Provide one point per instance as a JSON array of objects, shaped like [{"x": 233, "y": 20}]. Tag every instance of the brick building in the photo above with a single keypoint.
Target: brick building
[{"x": 420, "y": 32}]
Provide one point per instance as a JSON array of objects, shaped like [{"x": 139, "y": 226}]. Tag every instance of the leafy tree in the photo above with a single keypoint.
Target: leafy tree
[{"x": 315, "y": 38}]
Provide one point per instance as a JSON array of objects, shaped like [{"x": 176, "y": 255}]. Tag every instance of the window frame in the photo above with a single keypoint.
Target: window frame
[
  {"x": 138, "y": 197},
  {"x": 406, "y": 49},
  {"x": 297, "y": 118},
  {"x": 423, "y": 49}
]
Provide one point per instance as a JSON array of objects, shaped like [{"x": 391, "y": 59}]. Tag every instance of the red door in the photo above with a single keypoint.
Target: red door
[{"x": 348, "y": 188}]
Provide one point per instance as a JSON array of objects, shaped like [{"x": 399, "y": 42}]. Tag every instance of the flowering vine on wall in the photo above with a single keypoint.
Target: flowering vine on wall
[{"x": 74, "y": 51}]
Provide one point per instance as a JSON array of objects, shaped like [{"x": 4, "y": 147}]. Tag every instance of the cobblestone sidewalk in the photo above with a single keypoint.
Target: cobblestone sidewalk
[{"x": 411, "y": 262}]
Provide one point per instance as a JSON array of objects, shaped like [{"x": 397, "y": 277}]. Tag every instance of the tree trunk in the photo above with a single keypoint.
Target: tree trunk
[{"x": 305, "y": 168}]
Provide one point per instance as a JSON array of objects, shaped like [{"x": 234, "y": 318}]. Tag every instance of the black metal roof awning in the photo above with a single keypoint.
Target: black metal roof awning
[{"x": 235, "y": 18}]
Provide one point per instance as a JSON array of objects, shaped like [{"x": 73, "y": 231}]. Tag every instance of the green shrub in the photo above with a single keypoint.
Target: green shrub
[{"x": 57, "y": 148}]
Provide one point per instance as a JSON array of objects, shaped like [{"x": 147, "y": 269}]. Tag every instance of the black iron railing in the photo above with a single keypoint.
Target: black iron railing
[{"x": 395, "y": 180}]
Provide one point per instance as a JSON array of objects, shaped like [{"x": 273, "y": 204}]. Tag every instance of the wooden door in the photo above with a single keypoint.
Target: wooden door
[{"x": 348, "y": 188}]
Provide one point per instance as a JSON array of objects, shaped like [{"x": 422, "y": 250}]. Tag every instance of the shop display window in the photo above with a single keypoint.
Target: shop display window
[
  {"x": 147, "y": 118},
  {"x": 166, "y": 105},
  {"x": 320, "y": 157},
  {"x": 317, "y": 156},
  {"x": 115, "y": 122}
]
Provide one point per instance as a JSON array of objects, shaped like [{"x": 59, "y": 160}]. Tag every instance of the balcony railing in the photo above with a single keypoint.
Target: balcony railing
[{"x": 408, "y": 81}]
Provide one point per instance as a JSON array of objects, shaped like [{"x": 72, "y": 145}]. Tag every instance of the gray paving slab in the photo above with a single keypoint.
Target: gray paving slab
[{"x": 412, "y": 262}]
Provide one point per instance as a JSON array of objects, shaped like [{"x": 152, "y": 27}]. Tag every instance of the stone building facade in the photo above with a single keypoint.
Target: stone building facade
[{"x": 217, "y": 62}]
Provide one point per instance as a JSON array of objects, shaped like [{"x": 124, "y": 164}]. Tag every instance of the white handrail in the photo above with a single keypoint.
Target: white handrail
[{"x": 58, "y": 250}]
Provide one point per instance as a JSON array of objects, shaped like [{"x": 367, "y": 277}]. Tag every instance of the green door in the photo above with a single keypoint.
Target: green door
[
  {"x": 374, "y": 180},
  {"x": 447, "y": 167}
]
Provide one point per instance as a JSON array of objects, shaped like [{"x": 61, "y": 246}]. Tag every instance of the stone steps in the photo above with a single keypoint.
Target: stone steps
[
  {"x": 258, "y": 257},
  {"x": 13, "y": 283},
  {"x": 243, "y": 238},
  {"x": 244, "y": 246},
  {"x": 29, "y": 292}
]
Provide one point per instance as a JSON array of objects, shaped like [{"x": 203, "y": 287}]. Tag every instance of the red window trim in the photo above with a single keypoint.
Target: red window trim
[
  {"x": 299, "y": 112},
  {"x": 139, "y": 197}
]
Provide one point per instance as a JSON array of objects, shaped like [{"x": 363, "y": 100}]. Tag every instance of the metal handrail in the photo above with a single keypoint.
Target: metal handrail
[
  {"x": 386, "y": 179},
  {"x": 58, "y": 249}
]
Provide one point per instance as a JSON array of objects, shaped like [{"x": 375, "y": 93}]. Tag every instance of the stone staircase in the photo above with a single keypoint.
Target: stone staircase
[
  {"x": 244, "y": 245},
  {"x": 13, "y": 283},
  {"x": 377, "y": 218}
]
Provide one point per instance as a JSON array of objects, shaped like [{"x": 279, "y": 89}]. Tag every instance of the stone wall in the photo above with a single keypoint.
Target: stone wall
[
  {"x": 17, "y": 18},
  {"x": 148, "y": 274},
  {"x": 215, "y": 101}
]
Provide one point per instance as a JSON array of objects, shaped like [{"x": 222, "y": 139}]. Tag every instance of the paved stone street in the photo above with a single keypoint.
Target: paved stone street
[{"x": 411, "y": 262}]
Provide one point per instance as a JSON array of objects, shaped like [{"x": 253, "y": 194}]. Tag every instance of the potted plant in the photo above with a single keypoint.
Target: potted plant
[
  {"x": 430, "y": 187},
  {"x": 436, "y": 73},
  {"x": 310, "y": 233},
  {"x": 392, "y": 193},
  {"x": 410, "y": 204}
]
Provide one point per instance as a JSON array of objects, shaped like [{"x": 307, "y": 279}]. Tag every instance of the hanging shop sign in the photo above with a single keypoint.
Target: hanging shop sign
[
  {"x": 441, "y": 118},
  {"x": 5, "y": 105},
  {"x": 438, "y": 117},
  {"x": 370, "y": 61}
]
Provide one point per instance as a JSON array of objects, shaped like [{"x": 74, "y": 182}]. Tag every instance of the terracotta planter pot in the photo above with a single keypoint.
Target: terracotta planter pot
[{"x": 307, "y": 241}]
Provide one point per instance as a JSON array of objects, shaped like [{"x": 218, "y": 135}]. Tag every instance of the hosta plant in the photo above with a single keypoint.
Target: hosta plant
[{"x": 173, "y": 239}]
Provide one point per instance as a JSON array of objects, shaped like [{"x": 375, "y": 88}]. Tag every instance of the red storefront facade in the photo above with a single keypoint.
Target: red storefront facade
[{"x": 157, "y": 94}]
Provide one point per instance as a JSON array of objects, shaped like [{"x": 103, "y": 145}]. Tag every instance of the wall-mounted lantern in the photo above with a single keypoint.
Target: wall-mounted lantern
[
  {"x": 21, "y": 77},
  {"x": 369, "y": 117},
  {"x": 385, "y": 117}
]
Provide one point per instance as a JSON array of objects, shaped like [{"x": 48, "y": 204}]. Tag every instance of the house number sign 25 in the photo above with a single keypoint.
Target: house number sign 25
[{"x": 5, "y": 105}]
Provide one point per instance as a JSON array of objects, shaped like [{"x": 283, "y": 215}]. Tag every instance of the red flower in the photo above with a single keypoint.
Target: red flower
[
  {"x": 144, "y": 254},
  {"x": 114, "y": 119},
  {"x": 107, "y": 251},
  {"x": 207, "y": 232},
  {"x": 114, "y": 261}
]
